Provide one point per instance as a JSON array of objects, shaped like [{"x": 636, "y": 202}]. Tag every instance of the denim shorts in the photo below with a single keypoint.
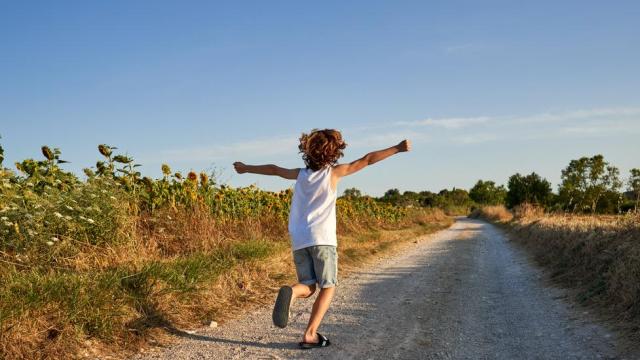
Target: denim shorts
[{"x": 317, "y": 264}]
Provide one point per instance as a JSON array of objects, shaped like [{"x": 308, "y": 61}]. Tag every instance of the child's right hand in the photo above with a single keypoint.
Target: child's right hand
[
  {"x": 241, "y": 168},
  {"x": 404, "y": 145}
]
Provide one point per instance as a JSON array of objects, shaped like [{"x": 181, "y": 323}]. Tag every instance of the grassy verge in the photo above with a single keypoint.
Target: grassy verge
[
  {"x": 596, "y": 256},
  {"x": 498, "y": 214},
  {"x": 179, "y": 270}
]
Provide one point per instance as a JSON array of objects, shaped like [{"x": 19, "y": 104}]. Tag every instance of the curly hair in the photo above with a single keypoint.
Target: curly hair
[{"x": 320, "y": 148}]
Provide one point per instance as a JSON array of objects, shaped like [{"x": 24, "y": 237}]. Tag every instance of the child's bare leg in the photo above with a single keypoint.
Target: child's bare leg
[
  {"x": 320, "y": 307},
  {"x": 284, "y": 301},
  {"x": 302, "y": 291}
]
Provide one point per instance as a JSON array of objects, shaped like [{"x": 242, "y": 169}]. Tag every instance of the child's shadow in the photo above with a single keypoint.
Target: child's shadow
[
  {"x": 271, "y": 345},
  {"x": 155, "y": 318}
]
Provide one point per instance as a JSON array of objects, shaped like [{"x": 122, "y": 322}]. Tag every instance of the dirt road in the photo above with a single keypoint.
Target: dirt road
[{"x": 463, "y": 293}]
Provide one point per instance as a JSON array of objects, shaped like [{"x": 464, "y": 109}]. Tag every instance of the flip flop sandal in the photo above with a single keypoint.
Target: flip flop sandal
[
  {"x": 281, "y": 308},
  {"x": 322, "y": 342}
]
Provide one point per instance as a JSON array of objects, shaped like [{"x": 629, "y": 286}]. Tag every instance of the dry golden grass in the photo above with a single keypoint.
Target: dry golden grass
[
  {"x": 599, "y": 256},
  {"x": 497, "y": 213},
  {"x": 528, "y": 211}
]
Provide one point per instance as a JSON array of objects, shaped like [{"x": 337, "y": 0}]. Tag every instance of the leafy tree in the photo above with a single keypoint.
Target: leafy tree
[
  {"x": 487, "y": 193},
  {"x": 410, "y": 198},
  {"x": 532, "y": 189},
  {"x": 634, "y": 186},
  {"x": 391, "y": 196},
  {"x": 352, "y": 193},
  {"x": 392, "y": 193},
  {"x": 427, "y": 198},
  {"x": 453, "y": 197},
  {"x": 587, "y": 181}
]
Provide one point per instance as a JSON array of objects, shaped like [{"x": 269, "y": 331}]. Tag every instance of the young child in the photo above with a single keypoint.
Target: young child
[{"x": 312, "y": 222}]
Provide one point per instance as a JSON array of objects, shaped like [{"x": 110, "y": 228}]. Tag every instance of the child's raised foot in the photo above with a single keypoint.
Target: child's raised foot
[{"x": 281, "y": 307}]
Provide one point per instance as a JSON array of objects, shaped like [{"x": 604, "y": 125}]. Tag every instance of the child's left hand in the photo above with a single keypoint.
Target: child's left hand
[{"x": 241, "y": 168}]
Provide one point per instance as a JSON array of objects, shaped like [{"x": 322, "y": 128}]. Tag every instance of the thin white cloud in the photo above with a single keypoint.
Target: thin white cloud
[
  {"x": 603, "y": 128},
  {"x": 463, "y": 122},
  {"x": 385, "y": 139},
  {"x": 458, "y": 123},
  {"x": 249, "y": 148},
  {"x": 579, "y": 115},
  {"x": 584, "y": 130},
  {"x": 447, "y": 123},
  {"x": 475, "y": 138}
]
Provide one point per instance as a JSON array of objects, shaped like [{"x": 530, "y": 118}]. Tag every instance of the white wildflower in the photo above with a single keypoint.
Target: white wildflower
[
  {"x": 50, "y": 243},
  {"x": 90, "y": 221},
  {"x": 58, "y": 215},
  {"x": 53, "y": 238},
  {"x": 69, "y": 208}
]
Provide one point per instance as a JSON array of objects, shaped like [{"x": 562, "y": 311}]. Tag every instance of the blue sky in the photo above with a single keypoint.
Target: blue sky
[{"x": 484, "y": 89}]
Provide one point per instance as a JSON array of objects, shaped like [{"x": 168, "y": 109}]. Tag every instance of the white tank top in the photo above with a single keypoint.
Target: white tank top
[{"x": 312, "y": 218}]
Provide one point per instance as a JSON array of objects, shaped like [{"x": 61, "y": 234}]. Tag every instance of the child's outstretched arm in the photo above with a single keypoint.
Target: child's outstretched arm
[
  {"x": 370, "y": 159},
  {"x": 268, "y": 169}
]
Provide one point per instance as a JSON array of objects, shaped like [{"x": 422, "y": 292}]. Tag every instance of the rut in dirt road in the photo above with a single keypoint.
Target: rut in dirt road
[{"x": 463, "y": 293}]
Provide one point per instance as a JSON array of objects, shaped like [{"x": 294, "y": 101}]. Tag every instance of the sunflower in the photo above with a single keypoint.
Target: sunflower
[
  {"x": 204, "y": 179},
  {"x": 47, "y": 153},
  {"x": 104, "y": 150}
]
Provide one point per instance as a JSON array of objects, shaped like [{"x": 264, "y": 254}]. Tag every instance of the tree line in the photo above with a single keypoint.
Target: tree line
[{"x": 588, "y": 185}]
